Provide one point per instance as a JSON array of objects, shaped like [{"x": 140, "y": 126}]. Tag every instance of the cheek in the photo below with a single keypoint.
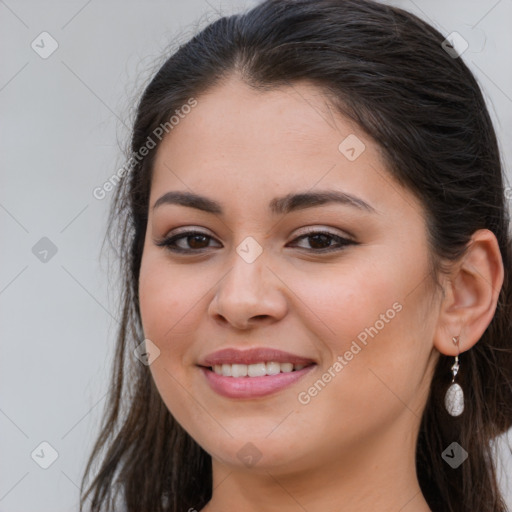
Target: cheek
[
  {"x": 157, "y": 304},
  {"x": 161, "y": 308},
  {"x": 169, "y": 305},
  {"x": 168, "y": 299},
  {"x": 369, "y": 315},
  {"x": 343, "y": 302}
]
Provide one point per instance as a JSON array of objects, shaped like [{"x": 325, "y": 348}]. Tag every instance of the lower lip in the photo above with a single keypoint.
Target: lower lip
[{"x": 252, "y": 387}]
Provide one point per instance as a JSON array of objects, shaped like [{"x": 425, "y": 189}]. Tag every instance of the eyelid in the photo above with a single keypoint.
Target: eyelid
[
  {"x": 302, "y": 231},
  {"x": 188, "y": 228},
  {"x": 169, "y": 242},
  {"x": 324, "y": 228}
]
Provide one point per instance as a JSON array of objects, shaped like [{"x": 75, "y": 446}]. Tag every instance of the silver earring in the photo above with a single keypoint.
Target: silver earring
[{"x": 454, "y": 398}]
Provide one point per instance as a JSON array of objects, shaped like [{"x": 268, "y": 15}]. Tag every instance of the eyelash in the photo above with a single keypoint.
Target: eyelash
[{"x": 169, "y": 243}]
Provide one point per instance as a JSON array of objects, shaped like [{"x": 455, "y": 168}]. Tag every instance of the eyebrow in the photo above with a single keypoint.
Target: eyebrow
[{"x": 277, "y": 206}]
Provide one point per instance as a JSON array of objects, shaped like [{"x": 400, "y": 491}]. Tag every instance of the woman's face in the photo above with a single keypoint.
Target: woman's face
[{"x": 278, "y": 277}]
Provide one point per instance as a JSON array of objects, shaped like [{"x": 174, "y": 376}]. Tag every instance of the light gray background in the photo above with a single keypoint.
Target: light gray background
[{"x": 62, "y": 119}]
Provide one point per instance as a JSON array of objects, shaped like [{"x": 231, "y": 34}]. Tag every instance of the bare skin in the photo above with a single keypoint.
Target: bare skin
[{"x": 350, "y": 445}]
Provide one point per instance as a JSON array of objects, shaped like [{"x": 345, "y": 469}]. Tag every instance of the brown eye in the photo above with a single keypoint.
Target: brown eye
[
  {"x": 320, "y": 241},
  {"x": 323, "y": 241},
  {"x": 187, "y": 242},
  {"x": 197, "y": 241}
]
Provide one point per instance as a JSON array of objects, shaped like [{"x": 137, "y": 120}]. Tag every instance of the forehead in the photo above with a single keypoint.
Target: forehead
[
  {"x": 247, "y": 144},
  {"x": 233, "y": 114}
]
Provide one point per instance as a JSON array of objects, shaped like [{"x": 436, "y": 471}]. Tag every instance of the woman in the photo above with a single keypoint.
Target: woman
[{"x": 317, "y": 303}]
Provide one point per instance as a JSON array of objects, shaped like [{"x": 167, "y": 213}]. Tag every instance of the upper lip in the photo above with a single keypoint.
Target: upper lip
[{"x": 252, "y": 356}]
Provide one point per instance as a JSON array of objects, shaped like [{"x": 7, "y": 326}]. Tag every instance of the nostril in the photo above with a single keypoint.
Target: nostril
[{"x": 257, "y": 317}]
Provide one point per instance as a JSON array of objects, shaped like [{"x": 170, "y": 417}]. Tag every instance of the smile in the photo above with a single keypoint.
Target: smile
[
  {"x": 243, "y": 385},
  {"x": 255, "y": 370}
]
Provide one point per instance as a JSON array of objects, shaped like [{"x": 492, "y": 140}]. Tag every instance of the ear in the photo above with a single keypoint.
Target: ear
[{"x": 471, "y": 293}]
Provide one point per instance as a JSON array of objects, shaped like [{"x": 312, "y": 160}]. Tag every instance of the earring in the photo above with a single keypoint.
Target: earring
[{"x": 454, "y": 398}]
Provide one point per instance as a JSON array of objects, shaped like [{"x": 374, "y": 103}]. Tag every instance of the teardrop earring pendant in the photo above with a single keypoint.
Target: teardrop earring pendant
[{"x": 454, "y": 398}]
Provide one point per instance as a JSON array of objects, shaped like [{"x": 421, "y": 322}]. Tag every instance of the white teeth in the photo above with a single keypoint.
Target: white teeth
[
  {"x": 255, "y": 370},
  {"x": 226, "y": 370},
  {"x": 273, "y": 368},
  {"x": 286, "y": 367},
  {"x": 239, "y": 370}
]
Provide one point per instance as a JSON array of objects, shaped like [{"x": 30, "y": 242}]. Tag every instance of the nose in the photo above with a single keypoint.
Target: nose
[{"x": 250, "y": 294}]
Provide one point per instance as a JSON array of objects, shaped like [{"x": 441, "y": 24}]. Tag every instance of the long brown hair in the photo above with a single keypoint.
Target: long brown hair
[{"x": 387, "y": 70}]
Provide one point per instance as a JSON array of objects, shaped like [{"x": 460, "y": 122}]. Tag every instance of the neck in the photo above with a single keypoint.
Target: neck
[{"x": 377, "y": 476}]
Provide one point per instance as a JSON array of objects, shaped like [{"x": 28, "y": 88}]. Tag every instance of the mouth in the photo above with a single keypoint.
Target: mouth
[
  {"x": 254, "y": 356},
  {"x": 253, "y": 373},
  {"x": 261, "y": 369}
]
